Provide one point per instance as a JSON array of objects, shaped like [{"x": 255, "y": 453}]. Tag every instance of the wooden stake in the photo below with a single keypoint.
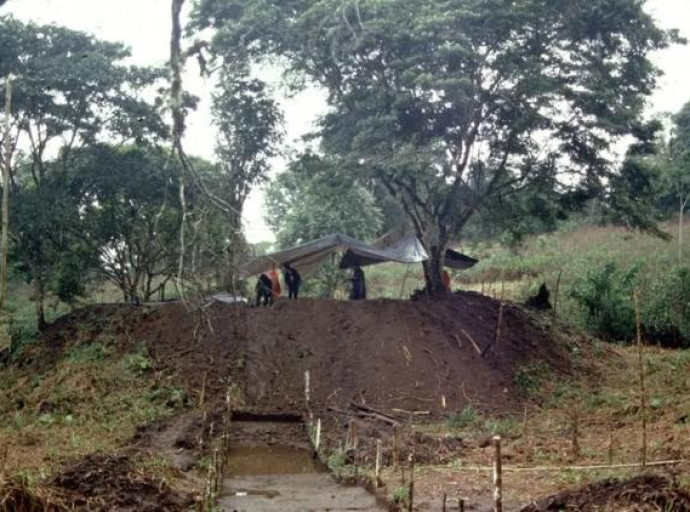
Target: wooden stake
[
  {"x": 410, "y": 504},
  {"x": 575, "y": 434},
  {"x": 525, "y": 438},
  {"x": 348, "y": 438},
  {"x": 641, "y": 368},
  {"x": 202, "y": 395},
  {"x": 317, "y": 441},
  {"x": 307, "y": 389},
  {"x": 461, "y": 505},
  {"x": 379, "y": 456},
  {"x": 396, "y": 454},
  {"x": 555, "y": 295},
  {"x": 498, "y": 475},
  {"x": 610, "y": 447},
  {"x": 445, "y": 498}
]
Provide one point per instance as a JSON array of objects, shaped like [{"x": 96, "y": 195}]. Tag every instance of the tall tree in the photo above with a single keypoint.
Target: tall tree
[
  {"x": 71, "y": 89},
  {"x": 130, "y": 207},
  {"x": 315, "y": 198},
  {"x": 678, "y": 172},
  {"x": 453, "y": 102},
  {"x": 249, "y": 134}
]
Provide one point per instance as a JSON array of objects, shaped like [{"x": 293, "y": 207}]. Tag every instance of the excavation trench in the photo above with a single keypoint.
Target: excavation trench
[{"x": 271, "y": 467}]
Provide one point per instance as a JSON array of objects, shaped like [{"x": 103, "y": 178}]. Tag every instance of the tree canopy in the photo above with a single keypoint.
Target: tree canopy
[{"x": 452, "y": 103}]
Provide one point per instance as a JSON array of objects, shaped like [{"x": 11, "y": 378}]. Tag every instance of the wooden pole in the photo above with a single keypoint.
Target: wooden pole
[
  {"x": 461, "y": 505},
  {"x": 5, "y": 195},
  {"x": 379, "y": 456},
  {"x": 445, "y": 499},
  {"x": 317, "y": 441},
  {"x": 555, "y": 295},
  {"x": 498, "y": 475},
  {"x": 396, "y": 454},
  {"x": 410, "y": 504},
  {"x": 641, "y": 368}
]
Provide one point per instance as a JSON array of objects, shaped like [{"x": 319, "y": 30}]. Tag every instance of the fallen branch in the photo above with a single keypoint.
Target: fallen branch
[
  {"x": 474, "y": 344},
  {"x": 438, "y": 365},
  {"x": 370, "y": 411}
]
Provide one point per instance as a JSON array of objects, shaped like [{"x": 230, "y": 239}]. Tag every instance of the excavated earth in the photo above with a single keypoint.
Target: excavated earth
[{"x": 378, "y": 362}]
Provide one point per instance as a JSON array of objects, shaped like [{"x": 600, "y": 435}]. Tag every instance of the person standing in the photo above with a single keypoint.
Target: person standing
[
  {"x": 293, "y": 280},
  {"x": 359, "y": 286},
  {"x": 275, "y": 280}
]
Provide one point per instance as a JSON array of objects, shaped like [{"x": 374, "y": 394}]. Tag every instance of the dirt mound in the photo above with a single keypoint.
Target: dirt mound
[
  {"x": 113, "y": 483},
  {"x": 640, "y": 494},
  {"x": 395, "y": 355}
]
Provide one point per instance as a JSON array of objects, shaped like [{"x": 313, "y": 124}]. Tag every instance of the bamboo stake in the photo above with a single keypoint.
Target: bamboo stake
[
  {"x": 641, "y": 364},
  {"x": 379, "y": 456},
  {"x": 317, "y": 441},
  {"x": 410, "y": 504},
  {"x": 396, "y": 453},
  {"x": 555, "y": 295},
  {"x": 6, "y": 195},
  {"x": 498, "y": 475},
  {"x": 202, "y": 395}
]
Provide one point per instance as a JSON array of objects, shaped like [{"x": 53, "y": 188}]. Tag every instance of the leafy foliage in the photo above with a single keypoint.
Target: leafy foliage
[
  {"x": 450, "y": 104},
  {"x": 605, "y": 296}
]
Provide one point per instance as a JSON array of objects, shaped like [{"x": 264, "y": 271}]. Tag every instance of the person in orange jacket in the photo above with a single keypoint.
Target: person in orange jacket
[
  {"x": 277, "y": 292},
  {"x": 445, "y": 277}
]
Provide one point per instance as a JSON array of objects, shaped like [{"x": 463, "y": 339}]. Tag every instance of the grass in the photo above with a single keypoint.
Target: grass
[{"x": 90, "y": 400}]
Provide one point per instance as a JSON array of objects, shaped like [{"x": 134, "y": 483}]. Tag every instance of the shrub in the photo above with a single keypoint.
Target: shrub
[
  {"x": 462, "y": 419},
  {"x": 666, "y": 310},
  {"x": 605, "y": 299}
]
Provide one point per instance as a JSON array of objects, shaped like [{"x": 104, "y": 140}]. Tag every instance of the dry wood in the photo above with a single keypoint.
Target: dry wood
[
  {"x": 317, "y": 440},
  {"x": 641, "y": 365},
  {"x": 474, "y": 344},
  {"x": 494, "y": 344},
  {"x": 396, "y": 453},
  {"x": 370, "y": 411},
  {"x": 379, "y": 458},
  {"x": 461, "y": 505},
  {"x": 498, "y": 475},
  {"x": 410, "y": 503},
  {"x": 555, "y": 295},
  {"x": 436, "y": 362},
  {"x": 412, "y": 413},
  {"x": 202, "y": 394}
]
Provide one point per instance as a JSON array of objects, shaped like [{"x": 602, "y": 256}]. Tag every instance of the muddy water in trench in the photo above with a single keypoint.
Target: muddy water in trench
[{"x": 272, "y": 469}]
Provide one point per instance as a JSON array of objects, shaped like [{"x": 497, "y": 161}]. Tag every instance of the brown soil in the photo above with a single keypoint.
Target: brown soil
[
  {"x": 400, "y": 358},
  {"x": 640, "y": 494},
  {"x": 112, "y": 483}
]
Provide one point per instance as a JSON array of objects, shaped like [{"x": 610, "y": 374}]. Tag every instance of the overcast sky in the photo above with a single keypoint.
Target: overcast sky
[{"x": 144, "y": 25}]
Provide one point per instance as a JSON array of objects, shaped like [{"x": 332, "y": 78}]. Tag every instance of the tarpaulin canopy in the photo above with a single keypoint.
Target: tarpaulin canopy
[{"x": 307, "y": 257}]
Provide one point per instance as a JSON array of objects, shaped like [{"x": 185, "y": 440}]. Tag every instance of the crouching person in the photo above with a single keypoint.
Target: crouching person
[{"x": 264, "y": 291}]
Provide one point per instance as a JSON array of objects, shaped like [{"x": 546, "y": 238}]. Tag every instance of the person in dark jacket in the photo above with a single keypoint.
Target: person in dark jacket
[
  {"x": 359, "y": 286},
  {"x": 264, "y": 291},
  {"x": 292, "y": 281}
]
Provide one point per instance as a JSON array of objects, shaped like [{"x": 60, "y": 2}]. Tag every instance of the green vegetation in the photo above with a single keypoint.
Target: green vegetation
[{"x": 462, "y": 419}]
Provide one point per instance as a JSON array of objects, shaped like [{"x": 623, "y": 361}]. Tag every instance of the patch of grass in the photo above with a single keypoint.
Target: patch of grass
[
  {"x": 401, "y": 494},
  {"x": 508, "y": 427},
  {"x": 337, "y": 460},
  {"x": 463, "y": 419},
  {"x": 529, "y": 377},
  {"x": 88, "y": 353}
]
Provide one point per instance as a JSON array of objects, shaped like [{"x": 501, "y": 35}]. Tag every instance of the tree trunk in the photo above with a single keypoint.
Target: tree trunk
[
  {"x": 5, "y": 197},
  {"x": 433, "y": 268},
  {"x": 40, "y": 296},
  {"x": 680, "y": 230}
]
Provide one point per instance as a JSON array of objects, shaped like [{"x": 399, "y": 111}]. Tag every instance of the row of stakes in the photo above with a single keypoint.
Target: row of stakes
[
  {"x": 351, "y": 442},
  {"x": 217, "y": 467}
]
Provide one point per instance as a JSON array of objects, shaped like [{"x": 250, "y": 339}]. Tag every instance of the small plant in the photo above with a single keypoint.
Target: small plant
[
  {"x": 88, "y": 353},
  {"x": 507, "y": 427},
  {"x": 401, "y": 494},
  {"x": 462, "y": 419},
  {"x": 337, "y": 460},
  {"x": 528, "y": 377},
  {"x": 138, "y": 363}
]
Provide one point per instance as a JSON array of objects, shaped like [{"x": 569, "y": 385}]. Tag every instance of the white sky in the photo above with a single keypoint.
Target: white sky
[{"x": 144, "y": 25}]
